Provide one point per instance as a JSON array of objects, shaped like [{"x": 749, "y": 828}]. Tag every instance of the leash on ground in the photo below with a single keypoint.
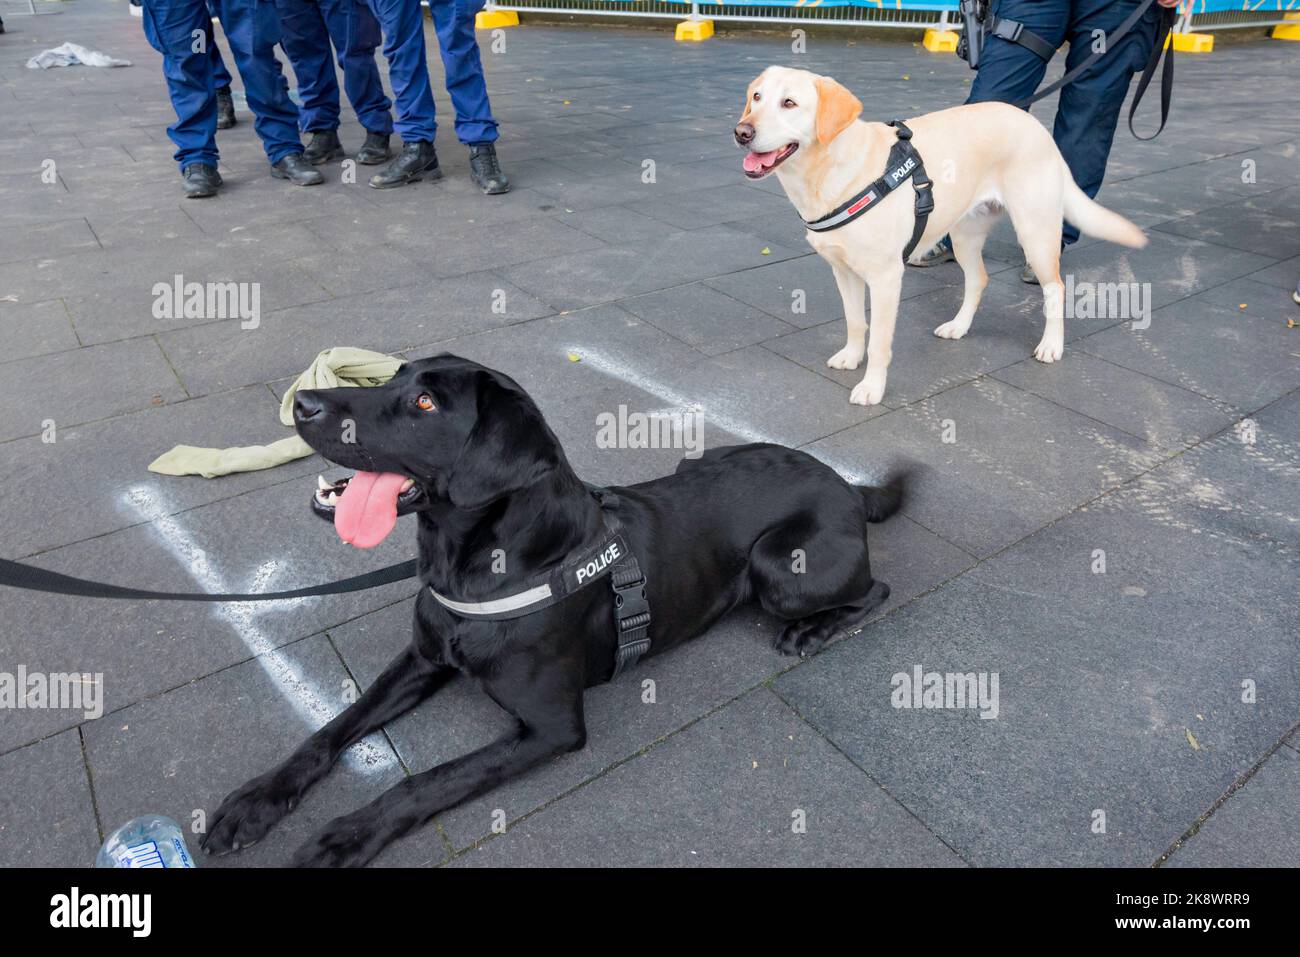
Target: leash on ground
[
  {"x": 31, "y": 578},
  {"x": 980, "y": 20}
]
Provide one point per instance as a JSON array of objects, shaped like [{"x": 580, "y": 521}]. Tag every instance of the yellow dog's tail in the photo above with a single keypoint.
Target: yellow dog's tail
[{"x": 1095, "y": 219}]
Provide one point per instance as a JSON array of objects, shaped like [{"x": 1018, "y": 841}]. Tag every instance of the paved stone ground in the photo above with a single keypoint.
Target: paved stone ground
[{"x": 1120, "y": 693}]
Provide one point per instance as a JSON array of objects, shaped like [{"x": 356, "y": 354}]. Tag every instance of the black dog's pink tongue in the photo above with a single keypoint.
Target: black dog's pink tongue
[{"x": 367, "y": 510}]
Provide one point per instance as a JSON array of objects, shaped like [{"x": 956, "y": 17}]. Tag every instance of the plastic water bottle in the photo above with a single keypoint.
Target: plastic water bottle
[{"x": 148, "y": 841}]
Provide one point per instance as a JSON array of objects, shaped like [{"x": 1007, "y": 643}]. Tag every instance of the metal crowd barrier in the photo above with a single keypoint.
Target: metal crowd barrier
[{"x": 928, "y": 14}]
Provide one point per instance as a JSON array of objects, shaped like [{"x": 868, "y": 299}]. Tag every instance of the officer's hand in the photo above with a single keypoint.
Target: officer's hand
[{"x": 1169, "y": 3}]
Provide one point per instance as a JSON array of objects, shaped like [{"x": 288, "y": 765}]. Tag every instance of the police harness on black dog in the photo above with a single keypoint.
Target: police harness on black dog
[
  {"x": 609, "y": 556},
  {"x": 904, "y": 163}
]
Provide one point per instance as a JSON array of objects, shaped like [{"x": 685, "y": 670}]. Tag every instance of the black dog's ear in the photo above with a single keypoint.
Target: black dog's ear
[{"x": 509, "y": 448}]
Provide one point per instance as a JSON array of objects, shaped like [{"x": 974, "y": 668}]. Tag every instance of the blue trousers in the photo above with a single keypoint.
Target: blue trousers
[
  {"x": 253, "y": 29},
  {"x": 1089, "y": 107},
  {"x": 408, "y": 71},
  {"x": 309, "y": 28},
  {"x": 220, "y": 75}
]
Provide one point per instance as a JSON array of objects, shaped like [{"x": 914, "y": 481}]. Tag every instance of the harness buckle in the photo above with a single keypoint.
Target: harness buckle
[
  {"x": 924, "y": 198},
  {"x": 630, "y": 605}
]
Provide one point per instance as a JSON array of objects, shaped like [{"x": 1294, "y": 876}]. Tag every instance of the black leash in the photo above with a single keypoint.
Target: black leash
[
  {"x": 18, "y": 575},
  {"x": 1167, "y": 17}
]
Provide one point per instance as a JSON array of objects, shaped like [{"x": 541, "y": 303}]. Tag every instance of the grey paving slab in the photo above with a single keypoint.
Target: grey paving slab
[
  {"x": 559, "y": 357},
  {"x": 1119, "y": 667},
  {"x": 181, "y": 753},
  {"x": 47, "y": 815},
  {"x": 1005, "y": 331},
  {"x": 1284, "y": 274},
  {"x": 1255, "y": 224},
  {"x": 617, "y": 224},
  {"x": 705, "y": 318},
  {"x": 58, "y": 238},
  {"x": 1160, "y": 414},
  {"x": 68, "y": 490},
  {"x": 1258, "y": 825},
  {"x": 129, "y": 303},
  {"x": 106, "y": 381},
  {"x": 796, "y": 406},
  {"x": 1250, "y": 364},
  {"x": 36, "y": 329},
  {"x": 1175, "y": 266},
  {"x": 138, "y": 227},
  {"x": 751, "y": 786},
  {"x": 224, "y": 355},
  {"x": 1256, "y": 296},
  {"x": 607, "y": 275},
  {"x": 471, "y": 247},
  {"x": 1015, "y": 463},
  {"x": 711, "y": 206}
]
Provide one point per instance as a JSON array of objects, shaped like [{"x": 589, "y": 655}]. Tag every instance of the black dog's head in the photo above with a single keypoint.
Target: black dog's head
[{"x": 441, "y": 430}]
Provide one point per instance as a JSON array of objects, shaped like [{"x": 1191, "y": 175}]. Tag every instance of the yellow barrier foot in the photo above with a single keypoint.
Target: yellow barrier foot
[
  {"x": 1191, "y": 42},
  {"x": 1290, "y": 31},
  {"x": 492, "y": 19},
  {"x": 940, "y": 41},
  {"x": 694, "y": 31}
]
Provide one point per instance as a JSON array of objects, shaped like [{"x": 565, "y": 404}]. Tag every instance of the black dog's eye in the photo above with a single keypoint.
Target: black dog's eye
[
  {"x": 788, "y": 103},
  {"x": 424, "y": 402}
]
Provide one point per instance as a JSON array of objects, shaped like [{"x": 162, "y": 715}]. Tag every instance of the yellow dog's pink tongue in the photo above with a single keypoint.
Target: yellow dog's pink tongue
[
  {"x": 754, "y": 162},
  {"x": 367, "y": 510}
]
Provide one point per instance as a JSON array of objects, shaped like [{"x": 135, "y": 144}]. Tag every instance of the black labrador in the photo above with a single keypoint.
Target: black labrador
[{"x": 466, "y": 450}]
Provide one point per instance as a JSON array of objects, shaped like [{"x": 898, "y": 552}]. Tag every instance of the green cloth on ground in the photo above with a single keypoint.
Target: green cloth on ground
[{"x": 340, "y": 366}]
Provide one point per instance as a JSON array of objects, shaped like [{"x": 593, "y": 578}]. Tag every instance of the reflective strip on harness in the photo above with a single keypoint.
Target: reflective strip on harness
[{"x": 497, "y": 606}]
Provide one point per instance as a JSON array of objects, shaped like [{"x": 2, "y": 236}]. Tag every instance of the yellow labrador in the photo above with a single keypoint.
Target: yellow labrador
[{"x": 983, "y": 159}]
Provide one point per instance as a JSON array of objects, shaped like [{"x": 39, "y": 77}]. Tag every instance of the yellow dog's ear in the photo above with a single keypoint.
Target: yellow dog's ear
[{"x": 836, "y": 109}]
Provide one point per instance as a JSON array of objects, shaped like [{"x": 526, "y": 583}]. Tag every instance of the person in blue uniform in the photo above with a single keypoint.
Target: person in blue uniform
[
  {"x": 220, "y": 75},
  {"x": 402, "y": 22},
  {"x": 252, "y": 29},
  {"x": 1088, "y": 109},
  {"x": 309, "y": 27}
]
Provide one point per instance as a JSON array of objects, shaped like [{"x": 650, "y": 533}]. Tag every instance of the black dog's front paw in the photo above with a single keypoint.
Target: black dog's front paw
[
  {"x": 799, "y": 640},
  {"x": 248, "y": 813},
  {"x": 347, "y": 841}
]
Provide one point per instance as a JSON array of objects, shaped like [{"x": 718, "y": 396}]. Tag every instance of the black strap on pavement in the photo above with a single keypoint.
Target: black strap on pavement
[{"x": 31, "y": 578}]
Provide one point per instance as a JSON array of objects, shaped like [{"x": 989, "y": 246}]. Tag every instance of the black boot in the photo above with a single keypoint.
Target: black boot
[
  {"x": 417, "y": 161},
  {"x": 225, "y": 109},
  {"x": 324, "y": 146},
  {"x": 486, "y": 170},
  {"x": 375, "y": 150},
  {"x": 201, "y": 180},
  {"x": 297, "y": 171}
]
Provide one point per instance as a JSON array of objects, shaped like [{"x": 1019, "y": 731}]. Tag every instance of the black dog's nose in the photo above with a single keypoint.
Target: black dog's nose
[
  {"x": 307, "y": 405},
  {"x": 745, "y": 133}
]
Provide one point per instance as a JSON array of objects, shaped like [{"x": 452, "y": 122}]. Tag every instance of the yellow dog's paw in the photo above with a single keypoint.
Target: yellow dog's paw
[
  {"x": 868, "y": 392},
  {"x": 846, "y": 358},
  {"x": 1049, "y": 351},
  {"x": 952, "y": 329}
]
